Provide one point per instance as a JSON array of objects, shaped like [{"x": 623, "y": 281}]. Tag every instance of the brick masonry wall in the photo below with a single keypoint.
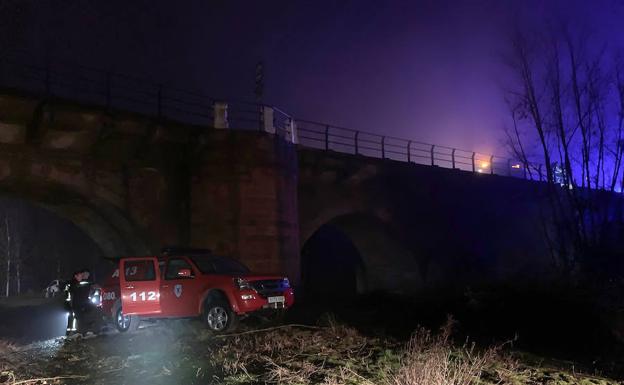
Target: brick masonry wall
[{"x": 244, "y": 200}]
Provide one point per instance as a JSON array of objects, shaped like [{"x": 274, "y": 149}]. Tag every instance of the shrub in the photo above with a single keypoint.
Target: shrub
[{"x": 432, "y": 360}]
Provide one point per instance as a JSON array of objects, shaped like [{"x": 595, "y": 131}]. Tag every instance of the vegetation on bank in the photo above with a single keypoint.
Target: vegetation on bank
[{"x": 183, "y": 352}]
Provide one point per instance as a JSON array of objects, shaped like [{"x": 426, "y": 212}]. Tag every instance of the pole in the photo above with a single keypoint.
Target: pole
[
  {"x": 8, "y": 273},
  {"x": 453, "y": 158},
  {"x": 383, "y": 147},
  {"x": 357, "y": 133},
  {"x": 409, "y": 151},
  {"x": 472, "y": 158},
  {"x": 525, "y": 167}
]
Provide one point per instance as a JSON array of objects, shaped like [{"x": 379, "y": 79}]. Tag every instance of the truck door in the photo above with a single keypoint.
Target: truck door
[
  {"x": 139, "y": 280},
  {"x": 181, "y": 288}
]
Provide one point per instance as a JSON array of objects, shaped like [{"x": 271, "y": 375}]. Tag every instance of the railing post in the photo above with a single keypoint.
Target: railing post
[
  {"x": 294, "y": 136},
  {"x": 220, "y": 115},
  {"x": 327, "y": 137},
  {"x": 268, "y": 122},
  {"x": 472, "y": 158},
  {"x": 108, "y": 90},
  {"x": 432, "y": 155},
  {"x": 278, "y": 131},
  {"x": 383, "y": 147},
  {"x": 159, "y": 101},
  {"x": 492, "y": 164},
  {"x": 453, "y": 158},
  {"x": 525, "y": 168},
  {"x": 357, "y": 133},
  {"x": 409, "y": 151}
]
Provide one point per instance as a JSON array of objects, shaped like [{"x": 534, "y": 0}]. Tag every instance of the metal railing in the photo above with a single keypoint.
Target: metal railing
[
  {"x": 115, "y": 91},
  {"x": 333, "y": 138}
]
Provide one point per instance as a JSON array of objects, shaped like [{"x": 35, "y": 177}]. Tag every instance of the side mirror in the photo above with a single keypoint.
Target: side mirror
[{"x": 184, "y": 273}]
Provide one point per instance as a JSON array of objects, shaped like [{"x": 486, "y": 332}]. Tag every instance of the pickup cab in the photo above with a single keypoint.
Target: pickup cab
[{"x": 220, "y": 290}]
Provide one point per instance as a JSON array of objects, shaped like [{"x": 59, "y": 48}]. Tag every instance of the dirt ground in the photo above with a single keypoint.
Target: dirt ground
[
  {"x": 377, "y": 341},
  {"x": 183, "y": 352}
]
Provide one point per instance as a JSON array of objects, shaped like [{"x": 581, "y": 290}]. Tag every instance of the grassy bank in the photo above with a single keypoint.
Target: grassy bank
[{"x": 331, "y": 353}]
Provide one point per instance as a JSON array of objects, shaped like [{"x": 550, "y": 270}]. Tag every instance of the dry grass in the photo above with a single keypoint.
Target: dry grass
[
  {"x": 432, "y": 360},
  {"x": 337, "y": 354},
  {"x": 7, "y": 347},
  {"x": 331, "y": 354},
  {"x": 6, "y": 366},
  {"x": 327, "y": 355}
]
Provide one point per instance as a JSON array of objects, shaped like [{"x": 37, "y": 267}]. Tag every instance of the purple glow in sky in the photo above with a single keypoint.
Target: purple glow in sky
[{"x": 428, "y": 70}]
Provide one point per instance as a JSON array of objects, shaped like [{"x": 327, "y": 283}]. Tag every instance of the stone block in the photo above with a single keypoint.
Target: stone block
[
  {"x": 78, "y": 141},
  {"x": 11, "y": 133}
]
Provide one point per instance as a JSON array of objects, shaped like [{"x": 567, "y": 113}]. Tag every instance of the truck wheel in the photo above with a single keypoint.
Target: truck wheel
[
  {"x": 218, "y": 315},
  {"x": 126, "y": 323}
]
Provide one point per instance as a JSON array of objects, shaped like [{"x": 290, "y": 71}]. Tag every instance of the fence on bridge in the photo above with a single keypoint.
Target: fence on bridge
[
  {"x": 115, "y": 91},
  {"x": 341, "y": 139}
]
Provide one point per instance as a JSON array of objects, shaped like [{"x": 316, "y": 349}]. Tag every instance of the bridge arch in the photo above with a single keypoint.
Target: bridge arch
[
  {"x": 358, "y": 253},
  {"x": 105, "y": 224}
]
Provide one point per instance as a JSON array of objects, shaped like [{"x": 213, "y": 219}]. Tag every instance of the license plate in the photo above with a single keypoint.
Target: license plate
[{"x": 277, "y": 299}]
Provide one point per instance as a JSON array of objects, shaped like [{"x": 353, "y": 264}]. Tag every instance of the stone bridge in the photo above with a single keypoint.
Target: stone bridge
[{"x": 135, "y": 183}]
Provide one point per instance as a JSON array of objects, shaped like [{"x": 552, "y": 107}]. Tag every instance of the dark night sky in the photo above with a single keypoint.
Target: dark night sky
[{"x": 428, "y": 70}]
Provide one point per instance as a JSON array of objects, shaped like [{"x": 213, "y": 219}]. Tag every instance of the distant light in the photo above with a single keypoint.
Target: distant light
[
  {"x": 515, "y": 166},
  {"x": 479, "y": 170},
  {"x": 485, "y": 165}
]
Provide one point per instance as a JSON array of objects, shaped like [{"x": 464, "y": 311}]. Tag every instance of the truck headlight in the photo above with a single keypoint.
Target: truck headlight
[
  {"x": 242, "y": 284},
  {"x": 96, "y": 297}
]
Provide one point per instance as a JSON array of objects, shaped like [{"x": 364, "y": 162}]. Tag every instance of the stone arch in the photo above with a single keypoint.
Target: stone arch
[
  {"x": 105, "y": 224},
  {"x": 379, "y": 250},
  {"x": 331, "y": 266}
]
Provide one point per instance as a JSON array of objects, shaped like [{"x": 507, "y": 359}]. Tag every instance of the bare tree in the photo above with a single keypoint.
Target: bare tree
[
  {"x": 560, "y": 104},
  {"x": 16, "y": 246},
  {"x": 7, "y": 256}
]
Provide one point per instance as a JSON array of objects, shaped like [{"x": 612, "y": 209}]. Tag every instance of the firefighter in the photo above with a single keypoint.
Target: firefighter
[{"x": 77, "y": 300}]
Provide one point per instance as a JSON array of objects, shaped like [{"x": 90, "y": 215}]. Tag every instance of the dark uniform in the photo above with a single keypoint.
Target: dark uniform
[{"x": 78, "y": 301}]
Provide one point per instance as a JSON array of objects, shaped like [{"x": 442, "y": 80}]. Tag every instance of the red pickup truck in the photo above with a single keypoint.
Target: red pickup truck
[{"x": 220, "y": 290}]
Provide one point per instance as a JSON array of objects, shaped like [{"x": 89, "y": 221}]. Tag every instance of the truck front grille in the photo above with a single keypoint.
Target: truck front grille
[{"x": 268, "y": 288}]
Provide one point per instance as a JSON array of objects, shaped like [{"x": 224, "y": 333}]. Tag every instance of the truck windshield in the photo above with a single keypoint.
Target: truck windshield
[{"x": 219, "y": 265}]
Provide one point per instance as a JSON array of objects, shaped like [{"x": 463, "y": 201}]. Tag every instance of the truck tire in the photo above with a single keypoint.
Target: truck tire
[
  {"x": 218, "y": 315},
  {"x": 126, "y": 323}
]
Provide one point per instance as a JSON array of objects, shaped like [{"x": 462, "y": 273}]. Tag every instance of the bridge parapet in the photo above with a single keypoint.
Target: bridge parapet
[{"x": 112, "y": 90}]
